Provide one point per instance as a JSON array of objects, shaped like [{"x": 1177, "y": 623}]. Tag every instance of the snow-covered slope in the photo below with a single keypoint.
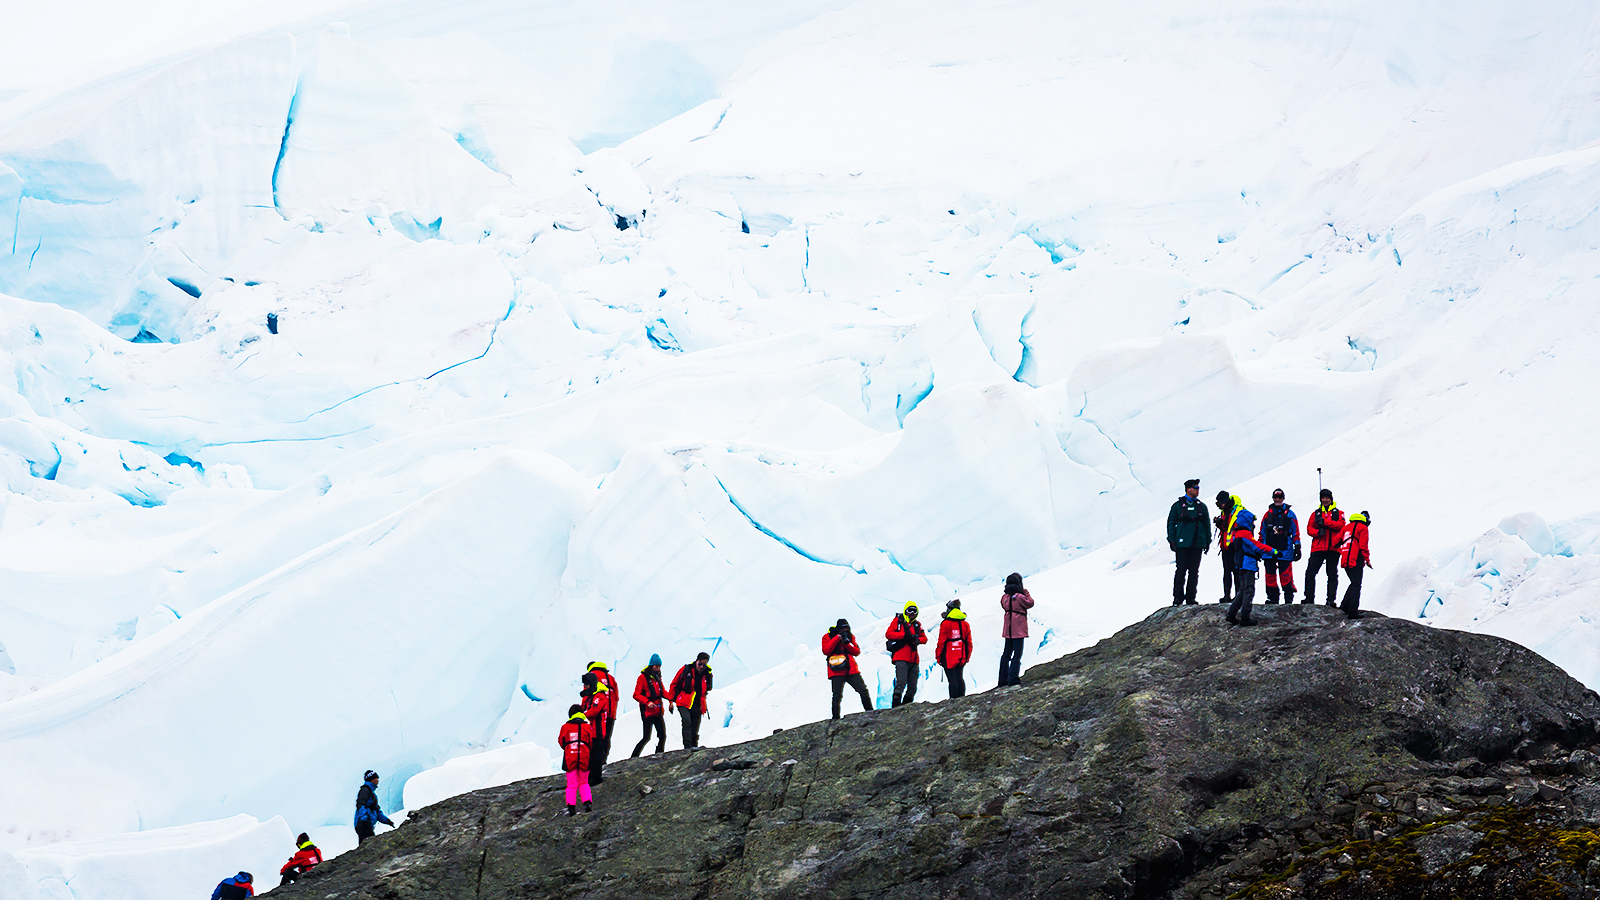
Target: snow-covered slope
[{"x": 357, "y": 406}]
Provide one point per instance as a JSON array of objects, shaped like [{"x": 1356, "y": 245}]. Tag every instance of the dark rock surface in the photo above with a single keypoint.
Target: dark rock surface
[{"x": 1180, "y": 757}]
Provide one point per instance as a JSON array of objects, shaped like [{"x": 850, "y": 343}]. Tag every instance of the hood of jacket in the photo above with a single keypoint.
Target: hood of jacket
[
  {"x": 1245, "y": 519},
  {"x": 955, "y": 614}
]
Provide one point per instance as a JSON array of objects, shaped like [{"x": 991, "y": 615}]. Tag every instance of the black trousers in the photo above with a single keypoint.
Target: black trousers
[
  {"x": 658, "y": 722},
  {"x": 1011, "y": 661},
  {"x": 691, "y": 727},
  {"x": 1244, "y": 593},
  {"x": 853, "y": 680},
  {"x": 905, "y": 682},
  {"x": 598, "y": 753},
  {"x": 1352, "y": 594},
  {"x": 363, "y": 831},
  {"x": 290, "y": 876},
  {"x": 958, "y": 681},
  {"x": 1187, "y": 578},
  {"x": 1323, "y": 559}
]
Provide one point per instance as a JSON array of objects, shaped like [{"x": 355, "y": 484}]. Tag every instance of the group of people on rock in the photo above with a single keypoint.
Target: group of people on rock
[
  {"x": 585, "y": 737},
  {"x": 952, "y": 650},
  {"x": 237, "y": 887},
  {"x": 1336, "y": 543}
]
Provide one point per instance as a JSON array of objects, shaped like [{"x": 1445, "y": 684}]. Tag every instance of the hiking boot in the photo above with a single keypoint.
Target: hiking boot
[
  {"x": 1232, "y": 620},
  {"x": 1247, "y": 622},
  {"x": 571, "y": 810},
  {"x": 587, "y": 807}
]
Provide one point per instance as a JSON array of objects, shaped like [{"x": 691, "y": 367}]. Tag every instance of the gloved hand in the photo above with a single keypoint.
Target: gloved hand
[{"x": 1173, "y": 546}]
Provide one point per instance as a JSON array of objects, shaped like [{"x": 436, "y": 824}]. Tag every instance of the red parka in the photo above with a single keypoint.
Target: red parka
[
  {"x": 689, "y": 687},
  {"x": 835, "y": 645},
  {"x": 576, "y": 739},
  {"x": 910, "y": 631},
  {"x": 596, "y": 704},
  {"x": 304, "y": 858},
  {"x": 955, "y": 640},
  {"x": 1353, "y": 552},
  {"x": 613, "y": 695},
  {"x": 1326, "y": 527},
  {"x": 648, "y": 690}
]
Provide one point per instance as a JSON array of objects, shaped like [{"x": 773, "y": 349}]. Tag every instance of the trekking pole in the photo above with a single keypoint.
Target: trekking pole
[{"x": 1319, "y": 480}]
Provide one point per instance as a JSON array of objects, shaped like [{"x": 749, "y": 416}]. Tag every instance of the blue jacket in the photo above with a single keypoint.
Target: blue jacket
[
  {"x": 232, "y": 888},
  {"x": 367, "y": 810},
  {"x": 1248, "y": 548}
]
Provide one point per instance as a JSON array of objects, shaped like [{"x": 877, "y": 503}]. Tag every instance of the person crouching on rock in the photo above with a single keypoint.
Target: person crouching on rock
[
  {"x": 234, "y": 887},
  {"x": 596, "y": 705},
  {"x": 841, "y": 650},
  {"x": 954, "y": 647},
  {"x": 577, "y": 743},
  {"x": 689, "y": 689},
  {"x": 305, "y": 856},
  {"x": 902, "y": 637},
  {"x": 1247, "y": 550},
  {"x": 649, "y": 691},
  {"x": 1354, "y": 558}
]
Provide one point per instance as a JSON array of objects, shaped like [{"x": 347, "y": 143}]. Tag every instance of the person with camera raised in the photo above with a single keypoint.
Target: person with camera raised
[
  {"x": 901, "y": 640},
  {"x": 841, "y": 649}
]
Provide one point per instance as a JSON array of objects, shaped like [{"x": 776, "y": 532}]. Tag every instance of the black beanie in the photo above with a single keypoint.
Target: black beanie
[
  {"x": 1014, "y": 582},
  {"x": 842, "y": 623},
  {"x": 1327, "y": 494},
  {"x": 1222, "y": 496}
]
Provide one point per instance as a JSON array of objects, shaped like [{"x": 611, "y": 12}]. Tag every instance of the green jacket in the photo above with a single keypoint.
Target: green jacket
[{"x": 1187, "y": 525}]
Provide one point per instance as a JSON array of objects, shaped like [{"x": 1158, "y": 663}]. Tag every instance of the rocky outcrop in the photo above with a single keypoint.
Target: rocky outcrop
[{"x": 1180, "y": 757}]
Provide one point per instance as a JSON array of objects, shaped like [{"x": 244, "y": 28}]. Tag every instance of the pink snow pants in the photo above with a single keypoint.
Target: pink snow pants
[{"x": 577, "y": 784}]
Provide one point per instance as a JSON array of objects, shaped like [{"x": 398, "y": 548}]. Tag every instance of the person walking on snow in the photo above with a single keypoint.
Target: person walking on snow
[
  {"x": 1188, "y": 538},
  {"x": 649, "y": 691},
  {"x": 306, "y": 855},
  {"x": 236, "y": 887},
  {"x": 689, "y": 689},
  {"x": 596, "y": 702},
  {"x": 954, "y": 647},
  {"x": 577, "y": 747},
  {"x": 1228, "y": 506},
  {"x": 1016, "y": 601},
  {"x": 841, "y": 650},
  {"x": 613, "y": 703},
  {"x": 1280, "y": 530},
  {"x": 903, "y": 635},
  {"x": 368, "y": 813},
  {"x": 1325, "y": 527},
  {"x": 1354, "y": 559},
  {"x": 1248, "y": 550}
]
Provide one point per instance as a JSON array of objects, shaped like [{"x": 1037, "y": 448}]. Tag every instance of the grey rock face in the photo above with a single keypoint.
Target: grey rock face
[
  {"x": 1447, "y": 845},
  {"x": 1116, "y": 772}
]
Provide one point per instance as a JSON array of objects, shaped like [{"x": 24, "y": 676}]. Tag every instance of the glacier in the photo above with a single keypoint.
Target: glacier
[{"x": 375, "y": 371}]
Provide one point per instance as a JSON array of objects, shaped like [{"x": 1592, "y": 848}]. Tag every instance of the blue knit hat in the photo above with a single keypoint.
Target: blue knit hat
[{"x": 655, "y": 659}]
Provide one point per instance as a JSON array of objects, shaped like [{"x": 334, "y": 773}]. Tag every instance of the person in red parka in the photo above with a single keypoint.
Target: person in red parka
[
  {"x": 596, "y": 705},
  {"x": 305, "y": 856},
  {"x": 1354, "y": 558},
  {"x": 1016, "y": 601},
  {"x": 689, "y": 689},
  {"x": 954, "y": 647},
  {"x": 1325, "y": 526},
  {"x": 603, "y": 734},
  {"x": 841, "y": 649},
  {"x": 903, "y": 635},
  {"x": 577, "y": 744},
  {"x": 649, "y": 691}
]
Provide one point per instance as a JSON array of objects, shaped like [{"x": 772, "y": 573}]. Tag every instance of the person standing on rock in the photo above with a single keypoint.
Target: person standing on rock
[
  {"x": 1325, "y": 527},
  {"x": 595, "y": 701},
  {"x": 902, "y": 637},
  {"x": 1188, "y": 538},
  {"x": 649, "y": 691},
  {"x": 1248, "y": 550},
  {"x": 306, "y": 856},
  {"x": 1280, "y": 530},
  {"x": 1354, "y": 559},
  {"x": 689, "y": 689},
  {"x": 1016, "y": 601},
  {"x": 368, "y": 813},
  {"x": 577, "y": 749},
  {"x": 954, "y": 647},
  {"x": 1228, "y": 506},
  {"x": 841, "y": 650},
  {"x": 613, "y": 703}
]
